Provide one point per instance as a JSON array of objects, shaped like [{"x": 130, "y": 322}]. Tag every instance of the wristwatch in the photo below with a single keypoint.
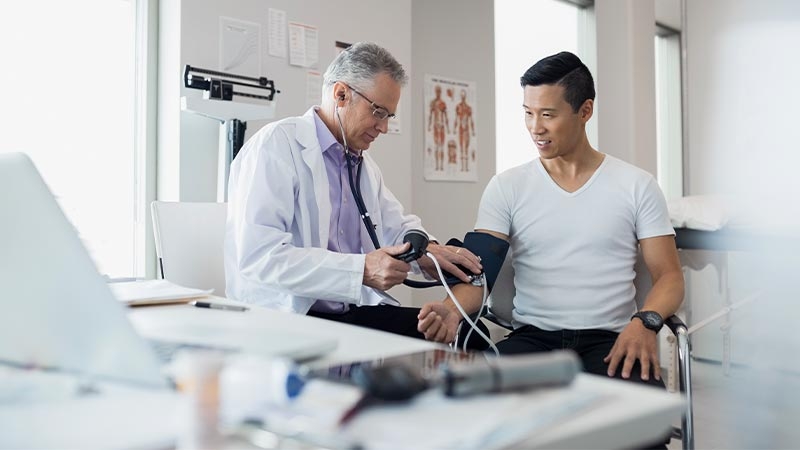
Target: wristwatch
[{"x": 651, "y": 320}]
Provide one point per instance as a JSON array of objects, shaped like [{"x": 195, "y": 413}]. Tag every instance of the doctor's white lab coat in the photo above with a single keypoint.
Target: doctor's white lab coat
[{"x": 279, "y": 218}]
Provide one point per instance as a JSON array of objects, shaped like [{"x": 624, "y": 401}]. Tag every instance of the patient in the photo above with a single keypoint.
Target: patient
[{"x": 575, "y": 219}]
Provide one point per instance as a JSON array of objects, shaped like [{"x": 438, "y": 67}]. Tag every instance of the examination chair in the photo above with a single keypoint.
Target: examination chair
[
  {"x": 189, "y": 238},
  {"x": 500, "y": 305}
]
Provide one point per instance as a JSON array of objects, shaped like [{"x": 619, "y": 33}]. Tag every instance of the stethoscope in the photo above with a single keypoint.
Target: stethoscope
[
  {"x": 355, "y": 187},
  {"x": 355, "y": 184}
]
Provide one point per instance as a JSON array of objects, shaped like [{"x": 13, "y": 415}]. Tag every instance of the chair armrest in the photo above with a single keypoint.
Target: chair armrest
[
  {"x": 675, "y": 324},
  {"x": 681, "y": 332}
]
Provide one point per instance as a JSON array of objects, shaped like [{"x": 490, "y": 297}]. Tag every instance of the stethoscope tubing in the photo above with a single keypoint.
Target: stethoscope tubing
[{"x": 355, "y": 187}]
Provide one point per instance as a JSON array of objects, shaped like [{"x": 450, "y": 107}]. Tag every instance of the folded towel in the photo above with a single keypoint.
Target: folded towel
[{"x": 700, "y": 212}]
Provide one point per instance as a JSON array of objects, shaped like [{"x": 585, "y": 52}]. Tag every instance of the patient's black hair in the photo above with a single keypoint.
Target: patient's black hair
[{"x": 563, "y": 69}]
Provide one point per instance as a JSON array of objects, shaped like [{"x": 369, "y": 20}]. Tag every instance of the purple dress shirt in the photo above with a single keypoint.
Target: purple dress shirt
[{"x": 345, "y": 226}]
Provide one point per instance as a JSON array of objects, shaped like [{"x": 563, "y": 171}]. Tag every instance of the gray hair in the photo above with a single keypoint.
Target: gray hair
[{"x": 359, "y": 64}]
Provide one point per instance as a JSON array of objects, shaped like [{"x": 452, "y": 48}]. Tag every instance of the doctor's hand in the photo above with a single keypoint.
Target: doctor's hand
[
  {"x": 438, "y": 322},
  {"x": 635, "y": 343},
  {"x": 448, "y": 256},
  {"x": 382, "y": 270}
]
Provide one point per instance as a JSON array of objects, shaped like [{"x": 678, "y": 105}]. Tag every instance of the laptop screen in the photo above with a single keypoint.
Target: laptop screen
[{"x": 58, "y": 312}]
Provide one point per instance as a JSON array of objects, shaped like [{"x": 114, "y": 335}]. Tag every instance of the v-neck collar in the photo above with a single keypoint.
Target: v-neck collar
[{"x": 578, "y": 191}]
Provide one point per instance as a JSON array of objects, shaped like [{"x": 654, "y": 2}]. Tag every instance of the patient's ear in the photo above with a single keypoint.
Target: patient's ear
[{"x": 586, "y": 110}]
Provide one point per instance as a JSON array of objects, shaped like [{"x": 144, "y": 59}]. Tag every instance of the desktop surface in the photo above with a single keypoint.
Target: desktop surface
[{"x": 592, "y": 412}]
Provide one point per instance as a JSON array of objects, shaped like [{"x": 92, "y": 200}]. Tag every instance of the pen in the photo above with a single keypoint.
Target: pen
[{"x": 220, "y": 306}]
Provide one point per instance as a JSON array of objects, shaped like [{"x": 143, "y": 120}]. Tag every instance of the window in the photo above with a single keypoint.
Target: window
[
  {"x": 669, "y": 135},
  {"x": 70, "y": 103},
  {"x": 541, "y": 28}
]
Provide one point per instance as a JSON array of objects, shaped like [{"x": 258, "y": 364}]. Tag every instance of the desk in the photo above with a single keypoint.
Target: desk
[
  {"x": 354, "y": 343},
  {"x": 628, "y": 415}
]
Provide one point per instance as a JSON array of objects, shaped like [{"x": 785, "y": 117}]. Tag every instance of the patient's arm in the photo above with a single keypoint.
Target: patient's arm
[
  {"x": 637, "y": 342},
  {"x": 438, "y": 321}
]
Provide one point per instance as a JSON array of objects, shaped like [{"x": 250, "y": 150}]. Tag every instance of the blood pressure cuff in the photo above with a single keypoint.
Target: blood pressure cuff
[{"x": 491, "y": 250}]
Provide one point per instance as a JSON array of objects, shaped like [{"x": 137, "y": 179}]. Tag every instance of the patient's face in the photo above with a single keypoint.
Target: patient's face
[{"x": 556, "y": 130}]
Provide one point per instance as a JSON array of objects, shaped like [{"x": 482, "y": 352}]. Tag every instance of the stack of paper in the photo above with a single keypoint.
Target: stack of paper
[{"x": 153, "y": 292}]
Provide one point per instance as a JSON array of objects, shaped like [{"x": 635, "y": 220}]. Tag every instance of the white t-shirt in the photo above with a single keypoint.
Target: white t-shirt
[{"x": 574, "y": 253}]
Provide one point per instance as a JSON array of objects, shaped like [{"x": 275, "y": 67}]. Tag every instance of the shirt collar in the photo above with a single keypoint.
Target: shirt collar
[
  {"x": 326, "y": 139},
  {"x": 329, "y": 144}
]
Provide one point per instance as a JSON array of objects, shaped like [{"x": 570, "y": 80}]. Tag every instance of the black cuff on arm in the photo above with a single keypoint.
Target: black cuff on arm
[{"x": 491, "y": 250}]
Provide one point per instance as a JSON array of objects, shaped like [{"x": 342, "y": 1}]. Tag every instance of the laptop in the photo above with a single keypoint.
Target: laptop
[{"x": 58, "y": 312}]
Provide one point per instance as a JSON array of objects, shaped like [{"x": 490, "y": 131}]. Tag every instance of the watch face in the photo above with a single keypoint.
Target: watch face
[{"x": 652, "y": 320}]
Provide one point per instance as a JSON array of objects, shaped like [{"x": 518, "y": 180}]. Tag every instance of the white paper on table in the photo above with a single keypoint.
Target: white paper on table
[{"x": 148, "y": 292}]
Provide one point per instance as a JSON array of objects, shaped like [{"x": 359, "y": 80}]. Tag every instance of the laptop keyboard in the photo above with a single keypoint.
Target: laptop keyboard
[{"x": 166, "y": 350}]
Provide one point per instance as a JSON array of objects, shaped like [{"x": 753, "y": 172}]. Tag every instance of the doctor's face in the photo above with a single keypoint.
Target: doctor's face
[{"x": 359, "y": 117}]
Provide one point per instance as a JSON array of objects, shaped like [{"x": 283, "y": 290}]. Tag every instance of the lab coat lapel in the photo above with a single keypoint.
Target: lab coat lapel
[{"x": 312, "y": 156}]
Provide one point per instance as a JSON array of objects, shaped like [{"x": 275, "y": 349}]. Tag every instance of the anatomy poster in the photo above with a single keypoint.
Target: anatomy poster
[{"x": 451, "y": 146}]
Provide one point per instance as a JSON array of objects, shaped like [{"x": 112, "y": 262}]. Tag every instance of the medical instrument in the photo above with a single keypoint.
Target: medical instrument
[
  {"x": 464, "y": 315},
  {"x": 220, "y": 85},
  {"x": 217, "y": 103},
  {"x": 510, "y": 373},
  {"x": 400, "y": 381}
]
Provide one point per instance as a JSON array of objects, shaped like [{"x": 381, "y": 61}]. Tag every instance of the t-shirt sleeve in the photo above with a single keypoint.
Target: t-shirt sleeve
[
  {"x": 494, "y": 213},
  {"x": 652, "y": 215}
]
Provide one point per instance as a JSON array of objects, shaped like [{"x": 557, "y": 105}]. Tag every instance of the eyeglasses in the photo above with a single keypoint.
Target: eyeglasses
[{"x": 379, "y": 112}]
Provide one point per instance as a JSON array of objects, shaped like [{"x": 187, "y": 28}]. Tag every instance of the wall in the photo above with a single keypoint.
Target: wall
[
  {"x": 452, "y": 38},
  {"x": 742, "y": 88},
  {"x": 625, "y": 79},
  {"x": 668, "y": 13}
]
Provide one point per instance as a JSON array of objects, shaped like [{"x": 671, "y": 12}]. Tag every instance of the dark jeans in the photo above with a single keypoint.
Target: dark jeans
[
  {"x": 590, "y": 345},
  {"x": 394, "y": 319}
]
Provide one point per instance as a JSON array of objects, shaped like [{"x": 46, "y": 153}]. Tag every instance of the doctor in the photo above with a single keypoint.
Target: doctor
[{"x": 295, "y": 240}]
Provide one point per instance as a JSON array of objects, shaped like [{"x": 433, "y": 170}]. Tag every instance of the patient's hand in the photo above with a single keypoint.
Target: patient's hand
[
  {"x": 635, "y": 342},
  {"x": 438, "y": 322}
]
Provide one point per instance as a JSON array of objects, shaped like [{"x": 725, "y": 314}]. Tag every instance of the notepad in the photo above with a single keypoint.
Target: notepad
[{"x": 154, "y": 292}]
